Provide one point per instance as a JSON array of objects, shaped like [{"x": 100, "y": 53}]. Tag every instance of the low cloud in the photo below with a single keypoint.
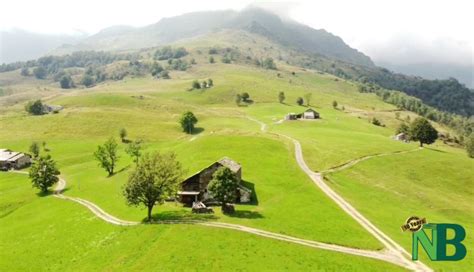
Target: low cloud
[{"x": 411, "y": 49}]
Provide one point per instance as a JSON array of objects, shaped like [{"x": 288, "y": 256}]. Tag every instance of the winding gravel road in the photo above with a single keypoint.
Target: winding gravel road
[{"x": 393, "y": 253}]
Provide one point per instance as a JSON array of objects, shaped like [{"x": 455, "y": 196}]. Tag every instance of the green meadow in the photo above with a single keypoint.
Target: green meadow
[
  {"x": 433, "y": 183},
  {"x": 43, "y": 233},
  {"x": 55, "y": 234}
]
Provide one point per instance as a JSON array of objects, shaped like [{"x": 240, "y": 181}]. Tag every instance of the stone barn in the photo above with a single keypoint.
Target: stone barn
[
  {"x": 194, "y": 188},
  {"x": 16, "y": 160},
  {"x": 310, "y": 114},
  {"x": 307, "y": 114}
]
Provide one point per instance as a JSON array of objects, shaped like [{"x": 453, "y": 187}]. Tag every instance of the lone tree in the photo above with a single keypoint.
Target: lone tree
[
  {"x": 35, "y": 149},
  {"x": 123, "y": 134},
  {"x": 422, "y": 131},
  {"x": 245, "y": 96},
  {"x": 211, "y": 59},
  {"x": 210, "y": 83},
  {"x": 43, "y": 173},
  {"x": 470, "y": 146},
  {"x": 187, "y": 121},
  {"x": 299, "y": 101},
  {"x": 223, "y": 187},
  {"x": 34, "y": 107},
  {"x": 196, "y": 85},
  {"x": 134, "y": 150},
  {"x": 281, "y": 97},
  {"x": 155, "y": 179},
  {"x": 334, "y": 104},
  {"x": 107, "y": 156}
]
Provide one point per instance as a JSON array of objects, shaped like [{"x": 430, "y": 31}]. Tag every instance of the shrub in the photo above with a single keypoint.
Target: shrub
[
  {"x": 34, "y": 107},
  {"x": 299, "y": 101}
]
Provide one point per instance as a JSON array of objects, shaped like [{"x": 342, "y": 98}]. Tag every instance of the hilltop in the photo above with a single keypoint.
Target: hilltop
[
  {"x": 254, "y": 20},
  {"x": 299, "y": 45}
]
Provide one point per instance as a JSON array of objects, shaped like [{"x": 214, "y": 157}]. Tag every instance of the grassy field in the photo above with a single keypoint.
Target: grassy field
[
  {"x": 51, "y": 234},
  {"x": 432, "y": 183},
  {"x": 287, "y": 201}
]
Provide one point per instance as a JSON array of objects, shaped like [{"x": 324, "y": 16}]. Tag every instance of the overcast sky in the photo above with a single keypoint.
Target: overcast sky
[{"x": 398, "y": 31}]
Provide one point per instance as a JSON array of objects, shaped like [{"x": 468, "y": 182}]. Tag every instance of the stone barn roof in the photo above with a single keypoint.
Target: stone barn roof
[{"x": 231, "y": 164}]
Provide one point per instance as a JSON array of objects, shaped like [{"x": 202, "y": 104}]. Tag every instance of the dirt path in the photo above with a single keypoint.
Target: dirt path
[
  {"x": 384, "y": 255},
  {"x": 393, "y": 253},
  {"x": 394, "y": 249},
  {"x": 356, "y": 161}
]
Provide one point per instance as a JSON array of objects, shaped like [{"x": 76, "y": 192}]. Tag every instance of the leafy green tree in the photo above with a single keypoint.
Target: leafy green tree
[
  {"x": 470, "y": 146},
  {"x": 25, "y": 71},
  {"x": 299, "y": 101},
  {"x": 226, "y": 59},
  {"x": 334, "y": 104},
  {"x": 238, "y": 99},
  {"x": 422, "y": 131},
  {"x": 307, "y": 97},
  {"x": 245, "y": 96},
  {"x": 223, "y": 186},
  {"x": 66, "y": 82},
  {"x": 210, "y": 83},
  {"x": 376, "y": 122},
  {"x": 268, "y": 63},
  {"x": 281, "y": 97},
  {"x": 123, "y": 134},
  {"x": 155, "y": 179},
  {"x": 204, "y": 84},
  {"x": 43, "y": 173},
  {"x": 107, "y": 155},
  {"x": 87, "y": 80},
  {"x": 211, "y": 59},
  {"x": 35, "y": 149},
  {"x": 40, "y": 72},
  {"x": 403, "y": 128},
  {"x": 34, "y": 107},
  {"x": 180, "y": 52},
  {"x": 134, "y": 149},
  {"x": 156, "y": 69},
  {"x": 187, "y": 121},
  {"x": 196, "y": 85}
]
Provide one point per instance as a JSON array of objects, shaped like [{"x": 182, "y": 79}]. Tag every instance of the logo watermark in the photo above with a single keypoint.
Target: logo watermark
[{"x": 436, "y": 247}]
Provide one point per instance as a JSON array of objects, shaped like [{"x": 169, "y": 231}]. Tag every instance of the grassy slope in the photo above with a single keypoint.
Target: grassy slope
[
  {"x": 286, "y": 197},
  {"x": 50, "y": 234},
  {"x": 432, "y": 183}
]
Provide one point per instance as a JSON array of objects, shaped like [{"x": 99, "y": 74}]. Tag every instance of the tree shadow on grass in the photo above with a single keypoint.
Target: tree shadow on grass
[
  {"x": 197, "y": 130},
  {"x": 184, "y": 216},
  {"x": 246, "y": 214},
  {"x": 433, "y": 149},
  {"x": 43, "y": 194},
  {"x": 120, "y": 171}
]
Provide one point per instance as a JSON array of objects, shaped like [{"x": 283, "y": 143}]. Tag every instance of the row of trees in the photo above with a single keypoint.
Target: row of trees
[
  {"x": 168, "y": 52},
  {"x": 461, "y": 125}
]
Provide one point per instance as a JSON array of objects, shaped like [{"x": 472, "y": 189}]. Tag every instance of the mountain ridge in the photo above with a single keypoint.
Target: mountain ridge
[{"x": 172, "y": 29}]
